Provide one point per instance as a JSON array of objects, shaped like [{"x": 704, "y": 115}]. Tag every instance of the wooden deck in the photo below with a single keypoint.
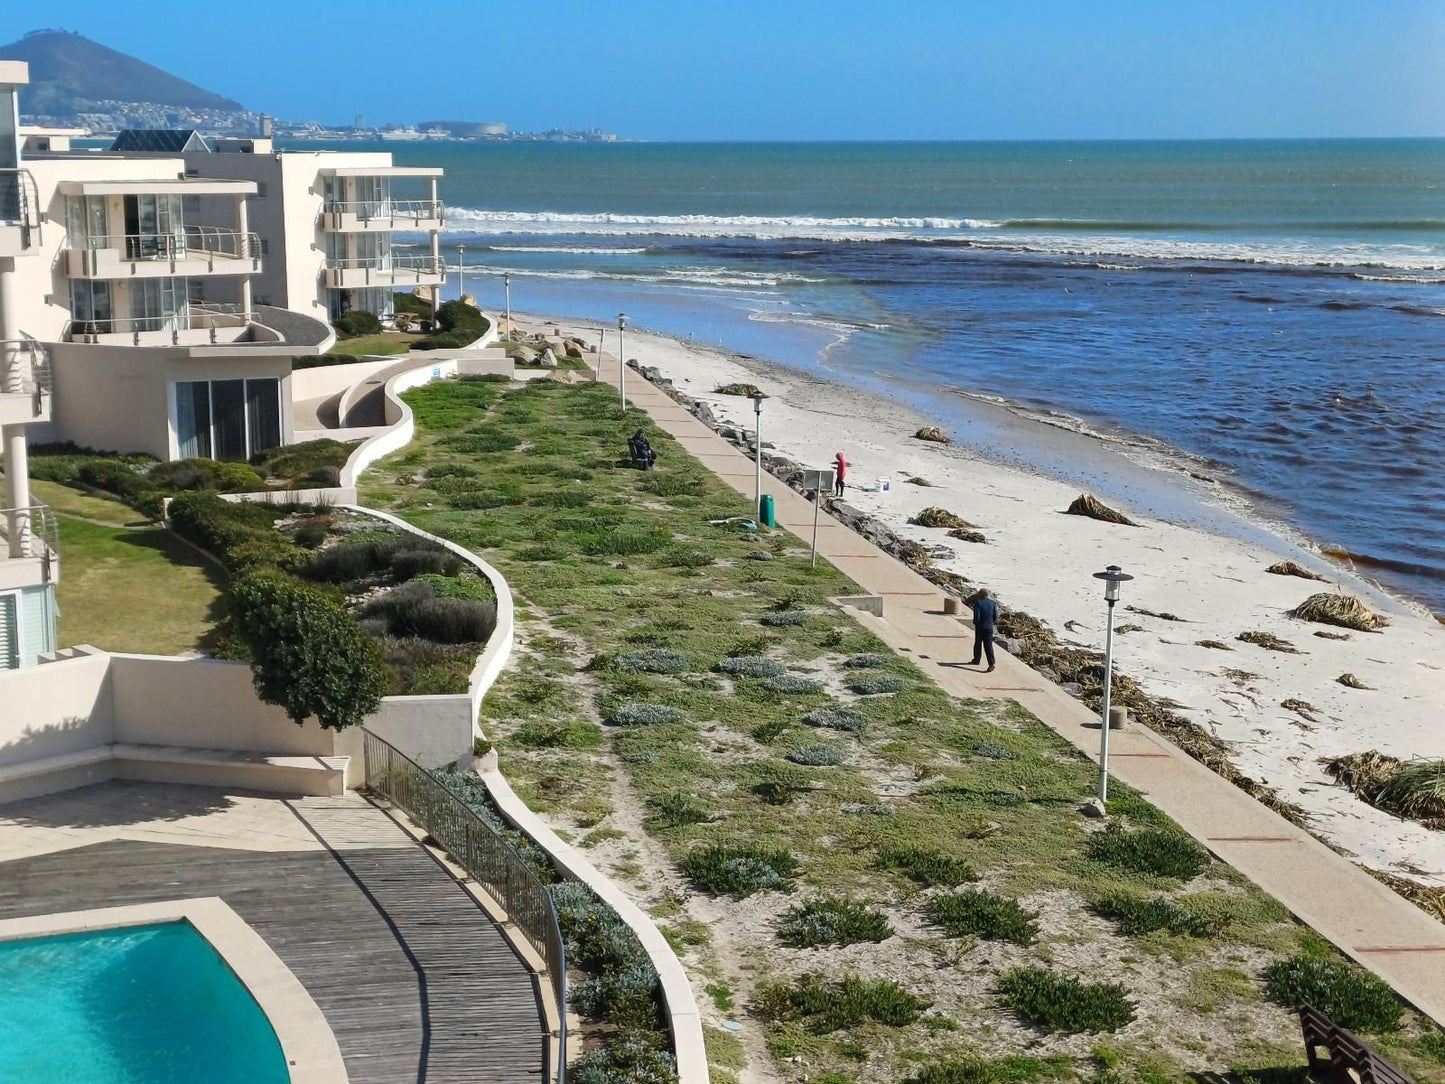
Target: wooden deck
[{"x": 415, "y": 980}]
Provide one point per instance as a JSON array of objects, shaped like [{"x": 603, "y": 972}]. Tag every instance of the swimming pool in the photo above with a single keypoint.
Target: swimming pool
[{"x": 150, "y": 1004}]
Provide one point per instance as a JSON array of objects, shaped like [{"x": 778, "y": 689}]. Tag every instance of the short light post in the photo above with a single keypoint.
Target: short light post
[
  {"x": 621, "y": 359},
  {"x": 1113, "y": 578},
  {"x": 758, "y": 458},
  {"x": 461, "y": 272},
  {"x": 601, "y": 342},
  {"x": 507, "y": 288}
]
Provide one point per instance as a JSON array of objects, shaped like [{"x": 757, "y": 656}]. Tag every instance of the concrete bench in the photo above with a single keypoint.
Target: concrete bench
[{"x": 306, "y": 775}]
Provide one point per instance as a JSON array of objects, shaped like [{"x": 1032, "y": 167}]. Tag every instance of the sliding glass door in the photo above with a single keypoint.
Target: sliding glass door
[{"x": 227, "y": 419}]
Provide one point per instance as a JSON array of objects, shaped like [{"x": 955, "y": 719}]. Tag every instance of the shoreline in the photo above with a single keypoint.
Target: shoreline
[{"x": 1213, "y": 579}]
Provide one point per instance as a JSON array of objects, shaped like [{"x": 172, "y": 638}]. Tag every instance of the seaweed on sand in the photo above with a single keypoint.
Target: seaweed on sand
[
  {"x": 1338, "y": 608},
  {"x": 1415, "y": 790},
  {"x": 1351, "y": 682},
  {"x": 934, "y": 434},
  {"x": 1087, "y": 505},
  {"x": 1290, "y": 568},
  {"x": 939, "y": 517},
  {"x": 1269, "y": 642},
  {"x": 964, "y": 534}
]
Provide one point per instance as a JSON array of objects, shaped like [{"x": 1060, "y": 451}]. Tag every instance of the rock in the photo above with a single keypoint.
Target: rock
[
  {"x": 548, "y": 360},
  {"x": 573, "y": 348},
  {"x": 1013, "y": 647},
  {"x": 704, "y": 414},
  {"x": 760, "y": 555},
  {"x": 1073, "y": 688},
  {"x": 1093, "y": 808},
  {"x": 1045, "y": 672},
  {"x": 941, "y": 553}
]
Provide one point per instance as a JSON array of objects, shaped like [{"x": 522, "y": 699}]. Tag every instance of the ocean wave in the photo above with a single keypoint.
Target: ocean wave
[
  {"x": 681, "y": 278},
  {"x": 571, "y": 250},
  {"x": 806, "y": 227}
]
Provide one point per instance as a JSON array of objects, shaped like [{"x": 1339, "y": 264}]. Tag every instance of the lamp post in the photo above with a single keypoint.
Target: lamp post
[
  {"x": 601, "y": 342},
  {"x": 758, "y": 458},
  {"x": 1113, "y": 578},
  {"x": 461, "y": 272},
  {"x": 621, "y": 359},
  {"x": 507, "y": 287}
]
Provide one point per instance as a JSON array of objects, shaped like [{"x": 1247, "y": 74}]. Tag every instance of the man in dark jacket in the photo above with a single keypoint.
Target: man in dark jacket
[{"x": 985, "y": 617}]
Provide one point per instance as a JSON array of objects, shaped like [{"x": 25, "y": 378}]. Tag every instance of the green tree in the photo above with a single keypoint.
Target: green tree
[{"x": 308, "y": 654}]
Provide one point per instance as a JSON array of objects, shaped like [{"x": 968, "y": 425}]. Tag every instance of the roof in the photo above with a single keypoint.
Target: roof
[
  {"x": 170, "y": 186},
  {"x": 159, "y": 140},
  {"x": 382, "y": 171}
]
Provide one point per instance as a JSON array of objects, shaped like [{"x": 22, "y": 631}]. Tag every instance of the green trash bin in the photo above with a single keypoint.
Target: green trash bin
[{"x": 766, "y": 516}]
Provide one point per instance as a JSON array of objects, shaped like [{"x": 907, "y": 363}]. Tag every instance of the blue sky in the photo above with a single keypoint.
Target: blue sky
[{"x": 812, "y": 69}]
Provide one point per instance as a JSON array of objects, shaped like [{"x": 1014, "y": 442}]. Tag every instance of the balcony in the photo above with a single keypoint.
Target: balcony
[
  {"x": 421, "y": 215},
  {"x": 25, "y": 382},
  {"x": 385, "y": 271},
  {"x": 29, "y": 547},
  {"x": 199, "y": 250},
  {"x": 196, "y": 325},
  {"x": 19, "y": 213}
]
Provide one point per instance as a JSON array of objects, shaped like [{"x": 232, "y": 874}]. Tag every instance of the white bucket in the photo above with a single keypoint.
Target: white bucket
[{"x": 885, "y": 485}]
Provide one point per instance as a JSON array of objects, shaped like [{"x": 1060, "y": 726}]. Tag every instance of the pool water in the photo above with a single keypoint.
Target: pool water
[{"x": 133, "y": 1005}]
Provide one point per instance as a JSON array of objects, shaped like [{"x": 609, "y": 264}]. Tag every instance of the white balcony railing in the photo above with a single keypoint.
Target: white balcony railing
[
  {"x": 421, "y": 269},
  {"x": 25, "y": 375},
  {"x": 101, "y": 256},
  {"x": 19, "y": 212},
  {"x": 383, "y": 214},
  {"x": 179, "y": 327},
  {"x": 31, "y": 533}
]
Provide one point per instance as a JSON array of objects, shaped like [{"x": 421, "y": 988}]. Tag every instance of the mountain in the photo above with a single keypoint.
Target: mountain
[{"x": 69, "y": 71}]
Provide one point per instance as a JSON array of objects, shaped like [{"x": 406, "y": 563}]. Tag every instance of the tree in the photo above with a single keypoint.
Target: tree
[{"x": 308, "y": 655}]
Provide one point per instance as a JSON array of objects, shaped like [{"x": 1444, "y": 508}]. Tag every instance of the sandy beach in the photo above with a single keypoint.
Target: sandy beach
[{"x": 1214, "y": 580}]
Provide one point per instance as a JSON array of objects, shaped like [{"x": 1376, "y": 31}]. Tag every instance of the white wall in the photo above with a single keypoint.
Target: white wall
[{"x": 60, "y": 707}]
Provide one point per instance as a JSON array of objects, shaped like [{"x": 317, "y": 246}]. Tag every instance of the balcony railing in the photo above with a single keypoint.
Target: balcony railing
[
  {"x": 30, "y": 533},
  {"x": 210, "y": 243},
  {"x": 20, "y": 206},
  {"x": 195, "y": 317},
  {"x": 389, "y": 270},
  {"x": 488, "y": 858},
  {"x": 393, "y": 213},
  {"x": 25, "y": 371}
]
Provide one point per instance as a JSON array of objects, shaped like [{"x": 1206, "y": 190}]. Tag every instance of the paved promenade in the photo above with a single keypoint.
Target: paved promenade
[{"x": 1366, "y": 920}]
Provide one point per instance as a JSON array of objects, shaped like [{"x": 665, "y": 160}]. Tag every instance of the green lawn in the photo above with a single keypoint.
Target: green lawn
[
  {"x": 128, "y": 589},
  {"x": 388, "y": 342},
  {"x": 651, "y": 760}
]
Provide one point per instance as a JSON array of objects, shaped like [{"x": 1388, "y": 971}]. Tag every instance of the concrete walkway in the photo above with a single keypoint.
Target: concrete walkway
[{"x": 1362, "y": 917}]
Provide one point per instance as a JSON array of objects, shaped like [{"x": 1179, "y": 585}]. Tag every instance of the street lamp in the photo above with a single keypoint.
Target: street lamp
[
  {"x": 601, "y": 342},
  {"x": 1113, "y": 578},
  {"x": 621, "y": 359},
  {"x": 758, "y": 457},
  {"x": 461, "y": 272},
  {"x": 507, "y": 286}
]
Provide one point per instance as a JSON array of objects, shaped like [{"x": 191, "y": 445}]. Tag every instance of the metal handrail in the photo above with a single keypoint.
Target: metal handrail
[
  {"x": 366, "y": 210},
  {"x": 195, "y": 317},
  {"x": 196, "y": 241},
  {"x": 391, "y": 261},
  {"x": 480, "y": 850},
  {"x": 25, "y": 370},
  {"x": 20, "y": 202},
  {"x": 30, "y": 532}
]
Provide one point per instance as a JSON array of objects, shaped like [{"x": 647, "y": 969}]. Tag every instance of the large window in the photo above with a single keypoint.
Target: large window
[
  {"x": 227, "y": 419},
  {"x": 90, "y": 304}
]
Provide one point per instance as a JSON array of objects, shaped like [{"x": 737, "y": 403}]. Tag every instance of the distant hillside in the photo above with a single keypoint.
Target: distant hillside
[{"x": 69, "y": 71}]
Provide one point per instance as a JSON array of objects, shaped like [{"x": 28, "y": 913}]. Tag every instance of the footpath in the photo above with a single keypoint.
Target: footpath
[{"x": 1366, "y": 920}]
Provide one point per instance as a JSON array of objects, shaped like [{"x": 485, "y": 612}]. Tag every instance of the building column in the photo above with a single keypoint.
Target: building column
[
  {"x": 436, "y": 248},
  {"x": 243, "y": 227},
  {"x": 17, "y": 489}
]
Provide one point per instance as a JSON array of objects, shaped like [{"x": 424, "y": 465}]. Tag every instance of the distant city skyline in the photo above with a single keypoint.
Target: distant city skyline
[{"x": 805, "y": 69}]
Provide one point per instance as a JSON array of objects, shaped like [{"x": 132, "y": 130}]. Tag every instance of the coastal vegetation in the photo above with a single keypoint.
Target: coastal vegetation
[
  {"x": 743, "y": 851},
  {"x": 1413, "y": 789}
]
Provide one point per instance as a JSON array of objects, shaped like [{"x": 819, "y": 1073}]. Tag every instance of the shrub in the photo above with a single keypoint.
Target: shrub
[
  {"x": 982, "y": 914},
  {"x": 927, "y": 867},
  {"x": 992, "y": 750},
  {"x": 738, "y": 871},
  {"x": 1006, "y": 1070},
  {"x": 241, "y": 534},
  {"x": 411, "y": 303},
  {"x": 874, "y": 684},
  {"x": 1158, "y": 852},
  {"x": 413, "y": 609},
  {"x": 830, "y": 920},
  {"x": 631, "y": 1056},
  {"x": 1136, "y": 916},
  {"x": 1054, "y": 1002},
  {"x": 1350, "y": 996},
  {"x": 625, "y": 995},
  {"x": 754, "y": 666},
  {"x": 308, "y": 654},
  {"x": 868, "y": 660},
  {"x": 676, "y": 809},
  {"x": 652, "y": 660},
  {"x": 667, "y": 484},
  {"x": 845, "y": 719},
  {"x": 468, "y": 587},
  {"x": 683, "y": 557},
  {"x": 786, "y": 619},
  {"x": 193, "y": 474},
  {"x": 794, "y": 683},
  {"x": 355, "y": 323},
  {"x": 406, "y": 564},
  {"x": 817, "y": 756},
  {"x": 831, "y": 1006},
  {"x": 638, "y": 714},
  {"x": 622, "y": 541}
]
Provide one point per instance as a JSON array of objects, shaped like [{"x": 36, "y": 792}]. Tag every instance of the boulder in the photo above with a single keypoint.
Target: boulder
[{"x": 548, "y": 359}]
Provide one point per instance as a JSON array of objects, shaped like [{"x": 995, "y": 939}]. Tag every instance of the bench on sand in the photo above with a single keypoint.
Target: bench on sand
[{"x": 1336, "y": 1056}]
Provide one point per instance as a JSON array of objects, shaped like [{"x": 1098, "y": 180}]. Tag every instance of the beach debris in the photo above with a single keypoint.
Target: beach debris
[
  {"x": 1150, "y": 613},
  {"x": 1217, "y": 645},
  {"x": 1129, "y": 628},
  {"x": 1238, "y": 677},
  {"x": 1300, "y": 707},
  {"x": 1338, "y": 608},
  {"x": 1290, "y": 568},
  {"x": 1415, "y": 790},
  {"x": 939, "y": 517},
  {"x": 746, "y": 390},
  {"x": 1351, "y": 682},
  {"x": 918, "y": 480},
  {"x": 934, "y": 434},
  {"x": 1323, "y": 635},
  {"x": 1087, "y": 505},
  {"x": 1269, "y": 641},
  {"x": 964, "y": 534}
]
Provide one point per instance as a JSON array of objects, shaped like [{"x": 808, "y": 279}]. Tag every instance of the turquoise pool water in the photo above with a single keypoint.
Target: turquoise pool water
[{"x": 135, "y": 1005}]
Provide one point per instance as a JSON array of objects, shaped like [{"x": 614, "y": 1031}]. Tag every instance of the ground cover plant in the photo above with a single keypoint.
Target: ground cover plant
[{"x": 705, "y": 821}]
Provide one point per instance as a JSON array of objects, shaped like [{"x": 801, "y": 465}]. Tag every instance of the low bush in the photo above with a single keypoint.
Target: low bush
[
  {"x": 845, "y": 719},
  {"x": 668, "y": 484},
  {"x": 1157, "y": 852},
  {"x": 875, "y": 684},
  {"x": 927, "y": 867},
  {"x": 1012, "y": 1069},
  {"x": 1135, "y": 916},
  {"x": 683, "y": 557},
  {"x": 867, "y": 660},
  {"x": 638, "y": 714},
  {"x": 415, "y": 609},
  {"x": 625, "y": 995},
  {"x": 817, "y": 756},
  {"x": 466, "y": 587},
  {"x": 830, "y": 920},
  {"x": 357, "y": 322},
  {"x": 794, "y": 684},
  {"x": 1053, "y": 1002},
  {"x": 992, "y": 750},
  {"x": 786, "y": 619},
  {"x": 738, "y": 871},
  {"x": 622, "y": 541},
  {"x": 753, "y": 666},
  {"x": 676, "y": 809},
  {"x": 825, "y": 1007},
  {"x": 291, "y": 462},
  {"x": 631, "y": 1056},
  {"x": 976, "y": 913},
  {"x": 409, "y": 563},
  {"x": 459, "y": 323},
  {"x": 242, "y": 535},
  {"x": 1350, "y": 996}
]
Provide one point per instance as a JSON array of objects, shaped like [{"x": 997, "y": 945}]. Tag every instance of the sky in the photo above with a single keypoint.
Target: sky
[{"x": 816, "y": 69}]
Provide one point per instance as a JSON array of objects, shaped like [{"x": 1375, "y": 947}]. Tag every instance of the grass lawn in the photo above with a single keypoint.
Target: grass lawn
[
  {"x": 67, "y": 501},
  {"x": 388, "y": 342},
  {"x": 881, "y": 882},
  {"x": 127, "y": 589}
]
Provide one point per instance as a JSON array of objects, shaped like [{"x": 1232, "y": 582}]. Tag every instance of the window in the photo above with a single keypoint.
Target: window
[
  {"x": 10, "y": 631},
  {"x": 265, "y": 247},
  {"x": 90, "y": 305},
  {"x": 227, "y": 419}
]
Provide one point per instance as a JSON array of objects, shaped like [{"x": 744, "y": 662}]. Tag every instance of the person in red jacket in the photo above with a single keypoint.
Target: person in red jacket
[{"x": 841, "y": 466}]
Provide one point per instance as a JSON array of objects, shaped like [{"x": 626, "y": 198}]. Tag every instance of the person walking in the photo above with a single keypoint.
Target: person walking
[
  {"x": 840, "y": 468},
  {"x": 985, "y": 617}
]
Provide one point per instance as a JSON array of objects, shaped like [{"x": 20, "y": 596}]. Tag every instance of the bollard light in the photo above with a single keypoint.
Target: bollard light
[
  {"x": 1114, "y": 578},
  {"x": 758, "y": 457},
  {"x": 622, "y": 359}
]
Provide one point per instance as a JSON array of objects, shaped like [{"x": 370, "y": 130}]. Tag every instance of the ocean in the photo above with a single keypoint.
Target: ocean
[{"x": 1266, "y": 314}]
